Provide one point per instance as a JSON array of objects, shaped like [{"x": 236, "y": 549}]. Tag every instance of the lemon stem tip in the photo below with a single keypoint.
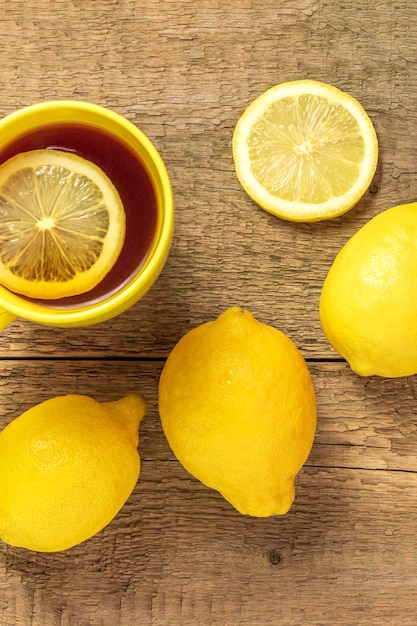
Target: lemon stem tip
[{"x": 130, "y": 409}]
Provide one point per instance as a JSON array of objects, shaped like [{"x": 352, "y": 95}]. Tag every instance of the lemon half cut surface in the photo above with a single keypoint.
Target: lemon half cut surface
[
  {"x": 305, "y": 151},
  {"x": 62, "y": 224}
]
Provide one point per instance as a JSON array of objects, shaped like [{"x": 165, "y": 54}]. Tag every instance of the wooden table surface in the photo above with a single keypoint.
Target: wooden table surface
[{"x": 178, "y": 554}]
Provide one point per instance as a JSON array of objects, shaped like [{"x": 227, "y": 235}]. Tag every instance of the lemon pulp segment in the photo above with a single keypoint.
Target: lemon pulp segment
[
  {"x": 305, "y": 151},
  {"x": 62, "y": 224}
]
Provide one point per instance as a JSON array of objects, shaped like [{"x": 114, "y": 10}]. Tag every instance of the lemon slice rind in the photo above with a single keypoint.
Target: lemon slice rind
[
  {"x": 85, "y": 214},
  {"x": 297, "y": 210}
]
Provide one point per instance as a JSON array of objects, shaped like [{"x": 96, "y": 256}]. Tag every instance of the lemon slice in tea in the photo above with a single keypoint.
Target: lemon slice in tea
[
  {"x": 62, "y": 224},
  {"x": 305, "y": 151}
]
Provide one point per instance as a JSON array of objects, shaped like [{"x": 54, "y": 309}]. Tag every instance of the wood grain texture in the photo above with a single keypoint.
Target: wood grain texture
[
  {"x": 177, "y": 554},
  {"x": 184, "y": 74}
]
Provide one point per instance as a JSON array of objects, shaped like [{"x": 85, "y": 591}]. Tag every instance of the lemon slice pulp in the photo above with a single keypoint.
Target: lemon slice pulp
[
  {"x": 305, "y": 151},
  {"x": 62, "y": 224}
]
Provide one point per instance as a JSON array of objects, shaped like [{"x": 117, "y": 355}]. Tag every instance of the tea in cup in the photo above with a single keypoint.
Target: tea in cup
[{"x": 135, "y": 168}]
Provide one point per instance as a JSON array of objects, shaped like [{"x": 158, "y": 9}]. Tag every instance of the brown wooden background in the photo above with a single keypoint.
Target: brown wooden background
[{"x": 177, "y": 554}]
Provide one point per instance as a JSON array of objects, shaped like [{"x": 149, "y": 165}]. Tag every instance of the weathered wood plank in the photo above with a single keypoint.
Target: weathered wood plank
[
  {"x": 178, "y": 554},
  {"x": 184, "y": 75},
  {"x": 363, "y": 423}
]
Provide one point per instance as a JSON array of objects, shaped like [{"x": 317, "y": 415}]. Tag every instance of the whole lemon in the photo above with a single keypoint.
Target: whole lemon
[
  {"x": 67, "y": 466},
  {"x": 368, "y": 305},
  {"x": 238, "y": 409}
]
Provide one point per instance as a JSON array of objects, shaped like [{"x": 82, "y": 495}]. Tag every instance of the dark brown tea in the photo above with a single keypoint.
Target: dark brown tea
[{"x": 131, "y": 180}]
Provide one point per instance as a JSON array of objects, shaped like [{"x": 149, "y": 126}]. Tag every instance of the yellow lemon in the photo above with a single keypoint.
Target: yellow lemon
[
  {"x": 62, "y": 224},
  {"x": 67, "y": 466},
  {"x": 305, "y": 151},
  {"x": 368, "y": 306},
  {"x": 238, "y": 409}
]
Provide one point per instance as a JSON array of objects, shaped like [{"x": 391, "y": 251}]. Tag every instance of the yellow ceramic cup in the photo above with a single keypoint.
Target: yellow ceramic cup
[{"x": 36, "y": 116}]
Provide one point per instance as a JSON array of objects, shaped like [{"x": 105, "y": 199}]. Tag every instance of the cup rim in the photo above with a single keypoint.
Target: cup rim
[{"x": 141, "y": 282}]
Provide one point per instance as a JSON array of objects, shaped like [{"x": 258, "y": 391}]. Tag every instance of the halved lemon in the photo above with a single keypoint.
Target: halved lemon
[
  {"x": 305, "y": 151},
  {"x": 62, "y": 224}
]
